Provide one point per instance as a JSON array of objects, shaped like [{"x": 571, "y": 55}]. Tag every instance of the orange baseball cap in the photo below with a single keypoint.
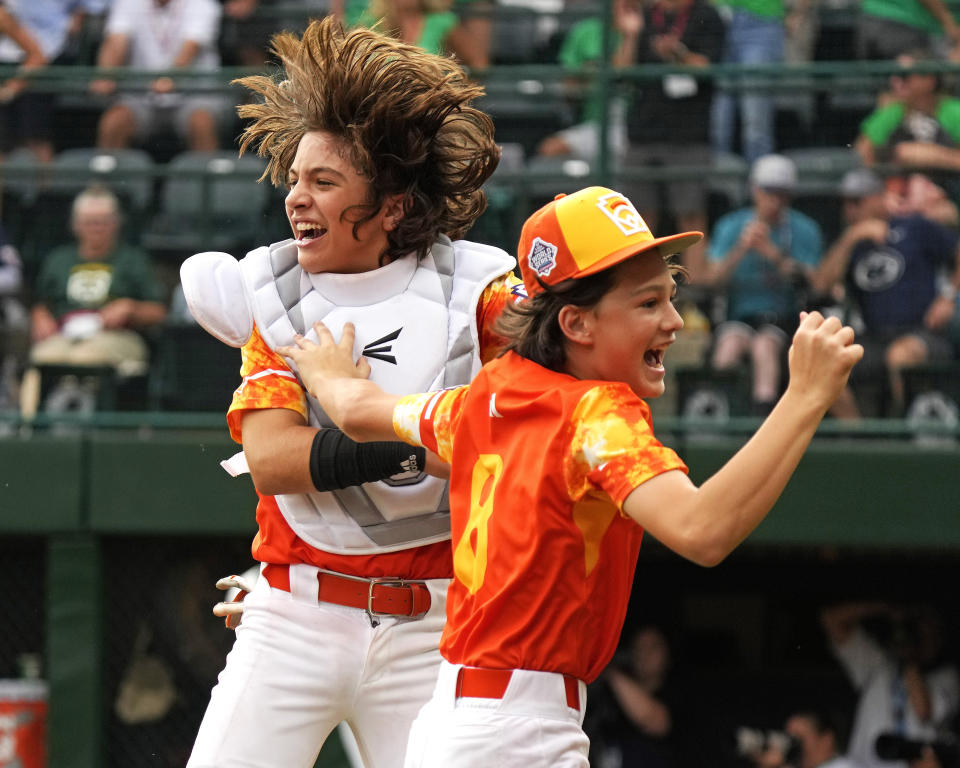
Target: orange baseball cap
[{"x": 586, "y": 232}]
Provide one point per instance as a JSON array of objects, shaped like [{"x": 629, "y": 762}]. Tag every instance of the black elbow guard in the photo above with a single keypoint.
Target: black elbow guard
[{"x": 336, "y": 461}]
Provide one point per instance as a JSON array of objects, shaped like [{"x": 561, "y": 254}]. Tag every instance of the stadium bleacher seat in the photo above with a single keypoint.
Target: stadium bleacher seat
[
  {"x": 703, "y": 393},
  {"x": 525, "y": 112},
  {"x": 209, "y": 201},
  {"x": 932, "y": 396}
]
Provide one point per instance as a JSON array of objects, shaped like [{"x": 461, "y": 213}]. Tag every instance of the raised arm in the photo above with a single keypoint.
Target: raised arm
[{"x": 705, "y": 524}]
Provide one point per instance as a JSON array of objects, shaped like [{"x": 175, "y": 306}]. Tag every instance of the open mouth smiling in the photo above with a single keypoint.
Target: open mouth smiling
[
  {"x": 654, "y": 358},
  {"x": 307, "y": 232}
]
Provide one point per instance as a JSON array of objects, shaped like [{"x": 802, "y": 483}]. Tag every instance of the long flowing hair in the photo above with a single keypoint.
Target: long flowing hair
[{"x": 403, "y": 118}]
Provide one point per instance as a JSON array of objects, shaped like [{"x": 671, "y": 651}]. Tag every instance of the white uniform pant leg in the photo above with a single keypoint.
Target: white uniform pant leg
[
  {"x": 531, "y": 727},
  {"x": 289, "y": 679},
  {"x": 399, "y": 678}
]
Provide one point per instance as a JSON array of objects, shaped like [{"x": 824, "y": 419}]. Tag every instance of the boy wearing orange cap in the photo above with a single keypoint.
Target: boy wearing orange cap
[{"x": 556, "y": 473}]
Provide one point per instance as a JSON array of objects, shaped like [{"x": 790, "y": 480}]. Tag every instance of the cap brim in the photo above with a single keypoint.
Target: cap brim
[{"x": 667, "y": 245}]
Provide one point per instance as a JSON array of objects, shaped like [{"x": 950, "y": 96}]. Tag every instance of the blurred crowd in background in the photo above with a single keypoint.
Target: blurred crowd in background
[{"x": 118, "y": 128}]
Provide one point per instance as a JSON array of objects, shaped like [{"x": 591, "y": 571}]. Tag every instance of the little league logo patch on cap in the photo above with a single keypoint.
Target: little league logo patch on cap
[
  {"x": 622, "y": 213},
  {"x": 542, "y": 257}
]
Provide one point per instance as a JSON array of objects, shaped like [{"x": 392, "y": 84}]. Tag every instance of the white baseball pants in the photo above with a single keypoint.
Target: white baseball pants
[
  {"x": 530, "y": 727},
  {"x": 299, "y": 667}
]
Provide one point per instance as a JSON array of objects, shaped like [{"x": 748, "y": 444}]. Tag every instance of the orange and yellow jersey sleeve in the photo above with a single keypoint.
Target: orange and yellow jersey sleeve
[
  {"x": 267, "y": 382},
  {"x": 505, "y": 289},
  {"x": 430, "y": 419},
  {"x": 543, "y": 558},
  {"x": 612, "y": 446}
]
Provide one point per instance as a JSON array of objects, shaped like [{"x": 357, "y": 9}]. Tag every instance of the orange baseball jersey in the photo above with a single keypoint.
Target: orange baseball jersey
[
  {"x": 268, "y": 382},
  {"x": 543, "y": 557}
]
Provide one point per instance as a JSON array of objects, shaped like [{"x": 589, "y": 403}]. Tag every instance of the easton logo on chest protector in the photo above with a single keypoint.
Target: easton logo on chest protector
[{"x": 381, "y": 348}]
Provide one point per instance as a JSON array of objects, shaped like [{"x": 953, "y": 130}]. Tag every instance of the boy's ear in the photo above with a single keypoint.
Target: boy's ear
[
  {"x": 576, "y": 324},
  {"x": 393, "y": 211}
]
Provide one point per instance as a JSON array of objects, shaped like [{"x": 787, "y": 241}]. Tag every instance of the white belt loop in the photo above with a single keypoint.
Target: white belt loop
[{"x": 303, "y": 582}]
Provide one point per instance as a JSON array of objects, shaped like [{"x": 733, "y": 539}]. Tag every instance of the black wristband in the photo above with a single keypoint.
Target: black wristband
[{"x": 336, "y": 461}]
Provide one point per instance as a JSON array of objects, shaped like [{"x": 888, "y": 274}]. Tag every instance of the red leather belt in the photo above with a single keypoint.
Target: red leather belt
[
  {"x": 378, "y": 597},
  {"x": 477, "y": 683}
]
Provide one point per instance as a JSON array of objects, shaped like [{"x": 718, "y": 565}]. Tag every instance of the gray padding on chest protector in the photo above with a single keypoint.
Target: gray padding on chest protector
[
  {"x": 287, "y": 278},
  {"x": 386, "y": 533},
  {"x": 460, "y": 357}
]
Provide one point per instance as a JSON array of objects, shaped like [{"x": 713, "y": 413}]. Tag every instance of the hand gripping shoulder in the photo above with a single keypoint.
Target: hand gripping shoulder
[{"x": 213, "y": 286}]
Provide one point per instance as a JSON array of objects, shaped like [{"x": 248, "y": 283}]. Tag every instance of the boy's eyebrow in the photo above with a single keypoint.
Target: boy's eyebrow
[
  {"x": 319, "y": 169},
  {"x": 655, "y": 286},
  {"x": 325, "y": 169}
]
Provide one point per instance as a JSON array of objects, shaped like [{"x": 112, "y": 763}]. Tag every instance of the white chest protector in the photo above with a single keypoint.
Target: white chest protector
[{"x": 416, "y": 325}]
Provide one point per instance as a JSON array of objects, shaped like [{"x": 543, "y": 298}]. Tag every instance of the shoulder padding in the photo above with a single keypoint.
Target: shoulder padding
[{"x": 214, "y": 289}]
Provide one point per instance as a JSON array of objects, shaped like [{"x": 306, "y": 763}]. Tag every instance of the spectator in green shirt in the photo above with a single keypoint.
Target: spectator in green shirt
[
  {"x": 917, "y": 129},
  {"x": 94, "y": 296}
]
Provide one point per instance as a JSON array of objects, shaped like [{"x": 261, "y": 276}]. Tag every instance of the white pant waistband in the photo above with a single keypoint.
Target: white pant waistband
[{"x": 537, "y": 694}]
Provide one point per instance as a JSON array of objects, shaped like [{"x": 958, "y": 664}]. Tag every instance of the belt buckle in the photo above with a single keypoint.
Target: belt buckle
[{"x": 388, "y": 581}]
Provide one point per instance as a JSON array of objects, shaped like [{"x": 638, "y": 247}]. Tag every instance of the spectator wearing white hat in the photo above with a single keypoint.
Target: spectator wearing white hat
[
  {"x": 759, "y": 257},
  {"x": 900, "y": 271}
]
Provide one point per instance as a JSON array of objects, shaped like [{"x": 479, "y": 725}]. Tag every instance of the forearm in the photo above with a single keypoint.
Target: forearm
[
  {"x": 42, "y": 323},
  {"x": 147, "y": 313},
  {"x": 626, "y": 52},
  {"x": 719, "y": 271},
  {"x": 188, "y": 52},
  {"x": 33, "y": 54},
  {"x": 645, "y": 711},
  {"x": 706, "y": 524},
  {"x": 286, "y": 455},
  {"x": 921, "y": 154},
  {"x": 834, "y": 265},
  {"x": 279, "y": 460},
  {"x": 360, "y": 408},
  {"x": 941, "y": 13},
  {"x": 113, "y": 52},
  {"x": 918, "y": 693},
  {"x": 690, "y": 59},
  {"x": 746, "y": 488},
  {"x": 864, "y": 147}
]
